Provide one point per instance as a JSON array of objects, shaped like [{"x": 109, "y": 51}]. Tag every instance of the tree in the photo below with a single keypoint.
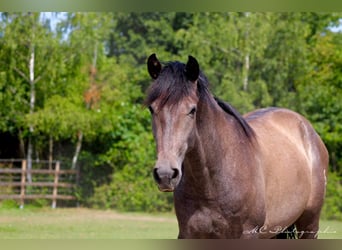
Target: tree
[
  {"x": 321, "y": 93},
  {"x": 230, "y": 47},
  {"x": 27, "y": 52},
  {"x": 86, "y": 35}
]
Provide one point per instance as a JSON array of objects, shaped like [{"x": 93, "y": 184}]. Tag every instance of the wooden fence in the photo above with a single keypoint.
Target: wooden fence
[{"x": 53, "y": 183}]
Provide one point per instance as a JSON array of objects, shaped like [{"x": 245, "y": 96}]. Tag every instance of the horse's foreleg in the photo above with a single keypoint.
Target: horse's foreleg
[{"x": 307, "y": 226}]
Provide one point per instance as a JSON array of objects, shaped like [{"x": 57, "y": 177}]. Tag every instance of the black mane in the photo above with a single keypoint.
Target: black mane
[
  {"x": 171, "y": 86},
  {"x": 233, "y": 112}
]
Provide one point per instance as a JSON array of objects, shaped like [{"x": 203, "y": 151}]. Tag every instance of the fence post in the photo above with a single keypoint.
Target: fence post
[
  {"x": 55, "y": 185},
  {"x": 22, "y": 183}
]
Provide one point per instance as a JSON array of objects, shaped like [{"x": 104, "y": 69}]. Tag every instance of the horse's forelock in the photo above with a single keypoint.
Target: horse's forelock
[{"x": 172, "y": 85}]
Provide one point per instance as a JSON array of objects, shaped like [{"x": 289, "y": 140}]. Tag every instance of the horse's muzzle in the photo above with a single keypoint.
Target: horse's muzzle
[{"x": 166, "y": 178}]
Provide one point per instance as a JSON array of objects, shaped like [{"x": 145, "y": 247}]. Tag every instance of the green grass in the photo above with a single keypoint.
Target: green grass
[
  {"x": 96, "y": 224},
  {"x": 330, "y": 230},
  {"x": 84, "y": 224}
]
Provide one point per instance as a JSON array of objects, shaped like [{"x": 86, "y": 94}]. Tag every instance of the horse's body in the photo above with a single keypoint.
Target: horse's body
[{"x": 233, "y": 177}]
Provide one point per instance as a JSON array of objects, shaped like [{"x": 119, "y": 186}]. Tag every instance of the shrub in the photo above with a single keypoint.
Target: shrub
[
  {"x": 332, "y": 209},
  {"x": 131, "y": 155},
  {"x": 132, "y": 190},
  {"x": 8, "y": 204}
]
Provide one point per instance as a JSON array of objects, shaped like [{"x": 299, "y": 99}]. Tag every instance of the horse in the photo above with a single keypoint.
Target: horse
[{"x": 232, "y": 176}]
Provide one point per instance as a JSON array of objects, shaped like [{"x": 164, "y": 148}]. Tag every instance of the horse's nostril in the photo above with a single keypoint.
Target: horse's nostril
[
  {"x": 175, "y": 173},
  {"x": 156, "y": 175},
  {"x": 165, "y": 175}
]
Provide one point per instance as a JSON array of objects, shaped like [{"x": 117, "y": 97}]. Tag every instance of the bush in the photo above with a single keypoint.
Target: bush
[
  {"x": 332, "y": 209},
  {"x": 132, "y": 190},
  {"x": 9, "y": 204},
  {"x": 131, "y": 155}
]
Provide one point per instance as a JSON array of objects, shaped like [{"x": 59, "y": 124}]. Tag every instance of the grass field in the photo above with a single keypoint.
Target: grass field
[
  {"x": 95, "y": 224},
  {"x": 84, "y": 224}
]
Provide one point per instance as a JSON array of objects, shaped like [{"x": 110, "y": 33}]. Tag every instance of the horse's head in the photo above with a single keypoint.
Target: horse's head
[{"x": 172, "y": 101}]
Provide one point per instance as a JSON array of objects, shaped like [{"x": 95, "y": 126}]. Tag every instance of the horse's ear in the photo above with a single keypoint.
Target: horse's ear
[
  {"x": 192, "y": 69},
  {"x": 153, "y": 65}
]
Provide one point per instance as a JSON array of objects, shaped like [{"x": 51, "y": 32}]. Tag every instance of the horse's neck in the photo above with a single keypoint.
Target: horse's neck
[{"x": 216, "y": 141}]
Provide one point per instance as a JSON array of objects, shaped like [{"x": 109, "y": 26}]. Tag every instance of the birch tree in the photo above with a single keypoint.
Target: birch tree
[
  {"x": 88, "y": 32},
  {"x": 28, "y": 41}
]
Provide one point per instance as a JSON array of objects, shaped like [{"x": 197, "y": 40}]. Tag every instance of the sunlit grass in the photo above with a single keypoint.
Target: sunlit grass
[
  {"x": 84, "y": 224},
  {"x": 96, "y": 224},
  {"x": 330, "y": 230}
]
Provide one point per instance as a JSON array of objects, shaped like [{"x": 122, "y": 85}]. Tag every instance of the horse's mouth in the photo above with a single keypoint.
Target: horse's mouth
[{"x": 166, "y": 187}]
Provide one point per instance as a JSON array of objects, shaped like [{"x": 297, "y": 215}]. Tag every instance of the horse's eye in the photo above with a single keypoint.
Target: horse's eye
[
  {"x": 192, "y": 111},
  {"x": 151, "y": 110}
]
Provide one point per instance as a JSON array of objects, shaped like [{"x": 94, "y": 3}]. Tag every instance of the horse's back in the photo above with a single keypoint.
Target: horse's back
[
  {"x": 293, "y": 127},
  {"x": 294, "y": 160}
]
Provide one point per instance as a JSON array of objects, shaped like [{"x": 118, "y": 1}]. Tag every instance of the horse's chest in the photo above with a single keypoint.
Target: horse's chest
[{"x": 207, "y": 223}]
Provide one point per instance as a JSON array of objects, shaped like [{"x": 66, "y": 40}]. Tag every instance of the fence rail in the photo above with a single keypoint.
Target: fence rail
[
  {"x": 12, "y": 178},
  {"x": 35, "y": 171}
]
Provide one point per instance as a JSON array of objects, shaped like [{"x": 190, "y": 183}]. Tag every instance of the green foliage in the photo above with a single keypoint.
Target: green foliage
[
  {"x": 131, "y": 157},
  {"x": 332, "y": 209},
  {"x": 321, "y": 94},
  {"x": 132, "y": 189},
  {"x": 8, "y": 204}
]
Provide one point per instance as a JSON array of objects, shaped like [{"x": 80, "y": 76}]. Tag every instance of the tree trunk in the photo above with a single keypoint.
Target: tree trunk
[
  {"x": 246, "y": 72},
  {"x": 78, "y": 149},
  {"x": 246, "y": 59},
  {"x": 50, "y": 152},
  {"x": 22, "y": 153},
  {"x": 88, "y": 106},
  {"x": 32, "y": 103}
]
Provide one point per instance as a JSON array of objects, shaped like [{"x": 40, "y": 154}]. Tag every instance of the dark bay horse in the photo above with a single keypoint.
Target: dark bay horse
[{"x": 232, "y": 176}]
